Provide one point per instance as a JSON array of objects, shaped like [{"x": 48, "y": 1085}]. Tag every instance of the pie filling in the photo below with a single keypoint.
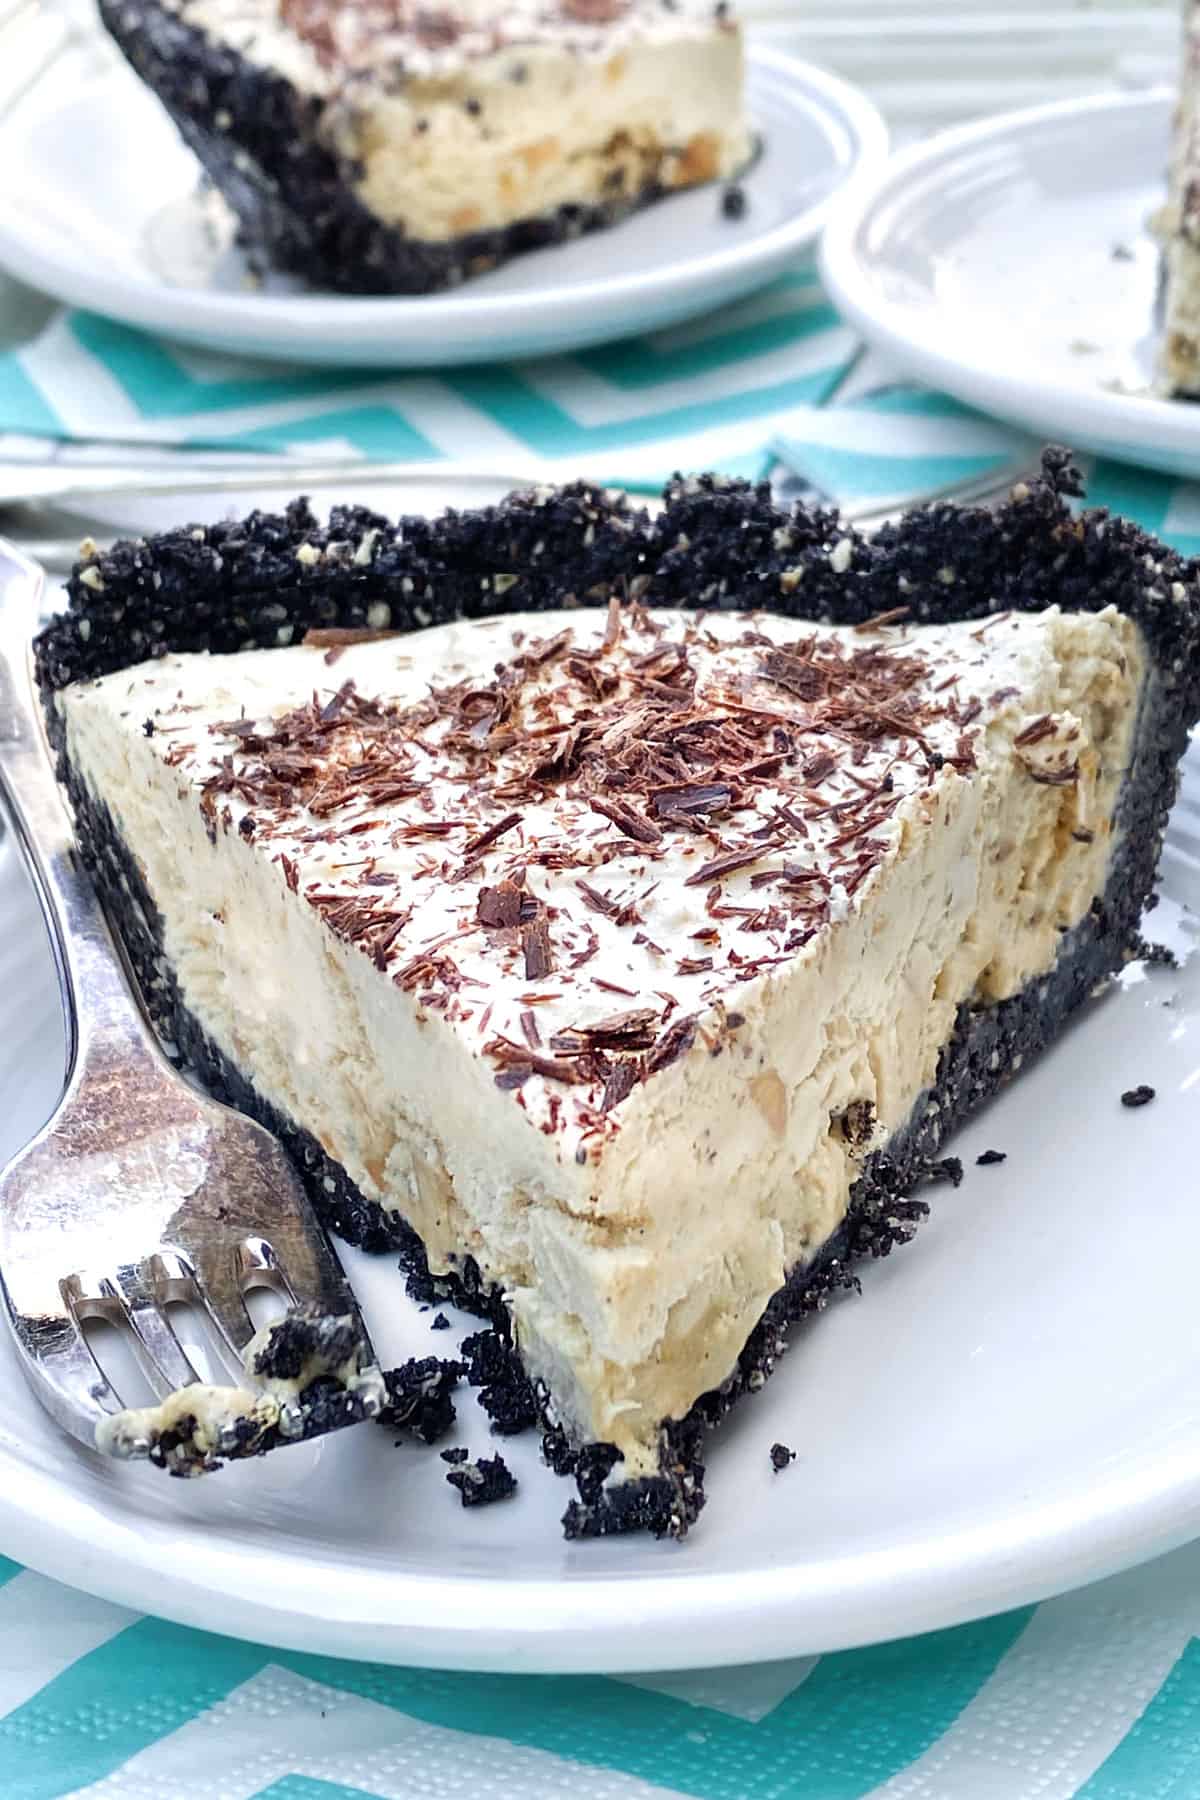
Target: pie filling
[{"x": 609, "y": 949}]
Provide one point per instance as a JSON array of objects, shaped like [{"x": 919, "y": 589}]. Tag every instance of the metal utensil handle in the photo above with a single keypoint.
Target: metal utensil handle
[
  {"x": 99, "y": 1009},
  {"x": 71, "y": 481}
]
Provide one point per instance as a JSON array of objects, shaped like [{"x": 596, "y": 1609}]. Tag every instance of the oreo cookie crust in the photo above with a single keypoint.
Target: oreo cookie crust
[{"x": 724, "y": 545}]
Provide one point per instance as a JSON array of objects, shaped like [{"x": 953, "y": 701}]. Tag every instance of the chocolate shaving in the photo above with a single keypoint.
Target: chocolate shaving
[
  {"x": 689, "y": 800},
  {"x": 1054, "y": 777},
  {"x": 727, "y": 863},
  {"x": 499, "y": 907},
  {"x": 612, "y": 625},
  {"x": 795, "y": 673},
  {"x": 337, "y": 638},
  {"x": 634, "y": 1030},
  {"x": 515, "y": 1056},
  {"x": 544, "y": 650},
  {"x": 483, "y": 839},
  {"x": 627, "y": 819},
  {"x": 620, "y": 914},
  {"x": 673, "y": 1043},
  {"x": 382, "y": 944},
  {"x": 529, "y": 1027},
  {"x": 892, "y": 617},
  {"x": 819, "y": 766},
  {"x": 623, "y": 1077},
  {"x": 535, "y": 942}
]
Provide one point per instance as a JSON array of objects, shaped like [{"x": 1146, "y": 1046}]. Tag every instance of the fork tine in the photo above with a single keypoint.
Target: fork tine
[
  {"x": 227, "y": 1310},
  {"x": 69, "y": 1381},
  {"x": 165, "y": 1362}
]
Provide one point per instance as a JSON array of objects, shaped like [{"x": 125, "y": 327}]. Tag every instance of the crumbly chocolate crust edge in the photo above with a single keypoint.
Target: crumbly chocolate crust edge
[
  {"x": 1033, "y": 553},
  {"x": 293, "y": 198}
]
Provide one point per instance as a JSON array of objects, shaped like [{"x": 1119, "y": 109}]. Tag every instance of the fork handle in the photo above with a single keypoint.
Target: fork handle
[{"x": 101, "y": 1015}]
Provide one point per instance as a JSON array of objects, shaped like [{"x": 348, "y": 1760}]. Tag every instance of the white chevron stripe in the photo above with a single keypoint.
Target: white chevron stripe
[
  {"x": 206, "y": 367},
  {"x": 661, "y": 456},
  {"x": 76, "y": 384},
  {"x": 748, "y": 1693},
  {"x": 902, "y": 435},
  {"x": 1183, "y": 514},
  {"x": 591, "y": 400},
  {"x": 280, "y": 1724},
  {"x": 1068, "y": 1691},
  {"x": 450, "y": 424},
  {"x": 44, "y": 1628},
  {"x": 457, "y": 428}
]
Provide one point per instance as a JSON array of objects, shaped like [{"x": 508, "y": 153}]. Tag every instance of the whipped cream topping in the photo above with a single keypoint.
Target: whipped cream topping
[
  {"x": 430, "y": 40},
  {"x": 578, "y": 845}
]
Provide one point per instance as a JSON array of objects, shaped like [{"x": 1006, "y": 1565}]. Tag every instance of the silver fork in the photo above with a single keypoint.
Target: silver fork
[{"x": 140, "y": 1191}]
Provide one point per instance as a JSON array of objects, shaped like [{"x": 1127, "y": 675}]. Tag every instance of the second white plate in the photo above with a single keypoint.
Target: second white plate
[
  {"x": 97, "y": 208},
  {"x": 1010, "y": 264}
]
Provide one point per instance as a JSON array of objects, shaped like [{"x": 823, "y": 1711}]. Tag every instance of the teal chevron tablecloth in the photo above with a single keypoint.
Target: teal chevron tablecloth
[{"x": 1095, "y": 1696}]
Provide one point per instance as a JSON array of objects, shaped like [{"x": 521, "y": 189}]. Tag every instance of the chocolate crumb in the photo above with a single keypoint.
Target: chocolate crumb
[
  {"x": 991, "y": 1156},
  {"x": 781, "y": 1456},
  {"x": 1138, "y": 1096},
  {"x": 946, "y": 1168},
  {"x": 506, "y": 1392},
  {"x": 439, "y": 1322},
  {"x": 1156, "y": 956},
  {"x": 419, "y": 1397},
  {"x": 458, "y": 1455},
  {"x": 483, "y": 1482},
  {"x": 733, "y": 202}
]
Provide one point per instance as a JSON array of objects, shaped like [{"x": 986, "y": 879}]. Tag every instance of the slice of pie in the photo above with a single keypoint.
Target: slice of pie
[
  {"x": 1177, "y": 226},
  {"x": 618, "y": 913},
  {"x": 394, "y": 147}
]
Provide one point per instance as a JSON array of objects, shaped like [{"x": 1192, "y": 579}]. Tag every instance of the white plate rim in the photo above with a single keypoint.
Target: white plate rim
[
  {"x": 1140, "y": 427},
  {"x": 289, "y": 322},
  {"x": 609, "y": 1625}
]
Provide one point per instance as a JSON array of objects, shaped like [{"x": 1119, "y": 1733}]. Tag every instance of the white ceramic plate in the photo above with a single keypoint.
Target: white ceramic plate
[
  {"x": 97, "y": 207},
  {"x": 1013, "y": 1406},
  {"x": 1010, "y": 264}
]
